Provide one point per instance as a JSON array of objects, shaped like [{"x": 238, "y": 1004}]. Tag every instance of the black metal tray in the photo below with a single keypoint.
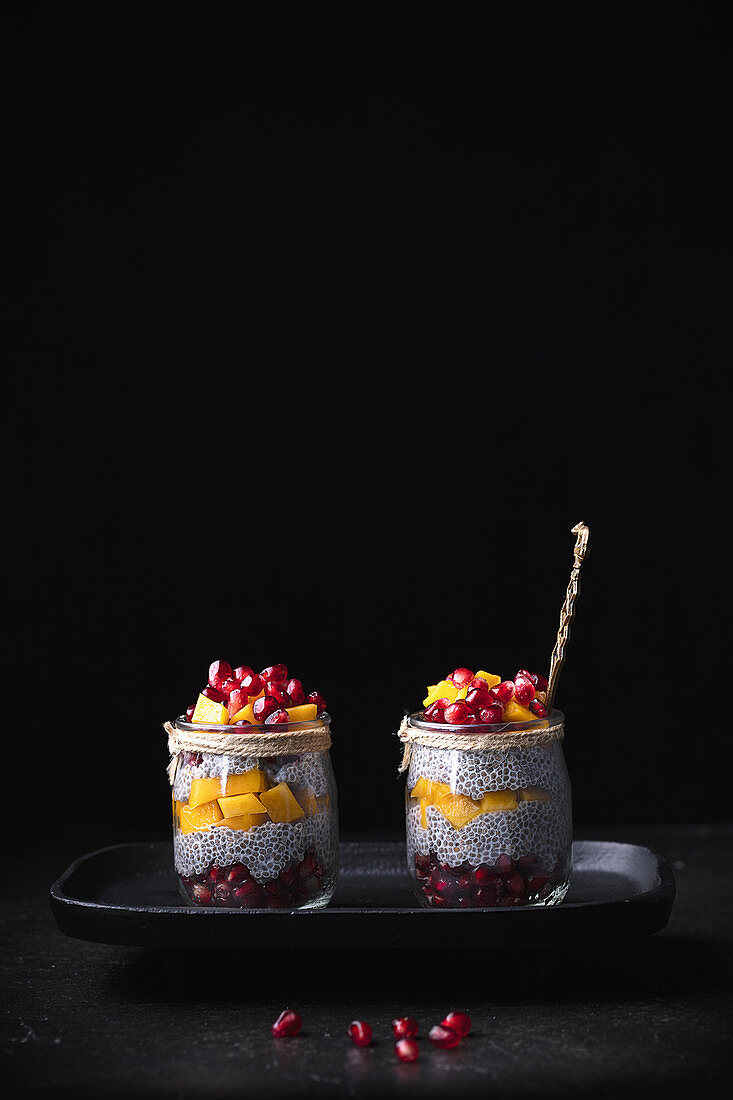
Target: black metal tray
[{"x": 128, "y": 894}]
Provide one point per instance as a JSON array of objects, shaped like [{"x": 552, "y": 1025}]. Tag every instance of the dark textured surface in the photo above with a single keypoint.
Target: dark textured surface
[
  {"x": 128, "y": 894},
  {"x": 640, "y": 1017}
]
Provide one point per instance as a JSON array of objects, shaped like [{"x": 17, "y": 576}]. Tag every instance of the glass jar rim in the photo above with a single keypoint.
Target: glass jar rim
[
  {"x": 555, "y": 717},
  {"x": 278, "y": 727}
]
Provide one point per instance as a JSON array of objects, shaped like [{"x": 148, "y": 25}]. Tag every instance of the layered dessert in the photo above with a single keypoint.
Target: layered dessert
[
  {"x": 254, "y": 829},
  {"x": 488, "y": 802}
]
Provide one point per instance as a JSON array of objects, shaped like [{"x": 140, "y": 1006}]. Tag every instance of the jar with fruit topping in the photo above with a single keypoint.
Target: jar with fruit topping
[
  {"x": 488, "y": 803},
  {"x": 254, "y": 803}
]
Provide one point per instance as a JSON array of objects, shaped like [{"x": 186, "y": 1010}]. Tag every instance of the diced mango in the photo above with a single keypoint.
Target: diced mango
[
  {"x": 429, "y": 789},
  {"x": 423, "y": 813},
  {"x": 498, "y": 800},
  {"x": 444, "y": 690},
  {"x": 324, "y": 802},
  {"x": 239, "y": 804},
  {"x": 204, "y": 790},
  {"x": 462, "y": 693},
  {"x": 309, "y": 802},
  {"x": 209, "y": 712},
  {"x": 489, "y": 677},
  {"x": 306, "y": 712},
  {"x": 515, "y": 712},
  {"x": 196, "y": 819},
  {"x": 242, "y": 822},
  {"x": 458, "y": 809},
  {"x": 252, "y": 781},
  {"x": 246, "y": 714},
  {"x": 534, "y": 794},
  {"x": 281, "y": 804}
]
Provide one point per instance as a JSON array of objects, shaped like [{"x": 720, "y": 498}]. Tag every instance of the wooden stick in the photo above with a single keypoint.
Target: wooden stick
[{"x": 567, "y": 614}]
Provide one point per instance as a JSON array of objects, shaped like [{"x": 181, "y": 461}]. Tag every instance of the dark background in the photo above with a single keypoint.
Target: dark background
[{"x": 327, "y": 326}]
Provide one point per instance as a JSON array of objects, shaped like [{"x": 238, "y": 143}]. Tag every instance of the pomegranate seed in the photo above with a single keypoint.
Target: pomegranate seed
[
  {"x": 482, "y": 874},
  {"x": 214, "y": 694},
  {"x": 540, "y": 683},
  {"x": 404, "y": 1027},
  {"x": 317, "y": 698},
  {"x": 523, "y": 691},
  {"x": 237, "y": 874},
  {"x": 219, "y": 671},
  {"x": 456, "y": 713},
  {"x": 539, "y": 709},
  {"x": 524, "y": 674},
  {"x": 263, "y": 707},
  {"x": 222, "y": 891},
  {"x": 458, "y": 1021},
  {"x": 202, "y": 894},
  {"x": 360, "y": 1033},
  {"x": 189, "y": 712},
  {"x": 486, "y": 897},
  {"x": 241, "y": 671},
  {"x": 536, "y": 882},
  {"x": 252, "y": 684},
  {"x": 278, "y": 717},
  {"x": 277, "y": 692},
  {"x": 478, "y": 697},
  {"x": 444, "y": 1037},
  {"x": 503, "y": 692},
  {"x": 274, "y": 672},
  {"x": 505, "y": 863},
  {"x": 434, "y": 713},
  {"x": 215, "y": 873},
  {"x": 241, "y": 722},
  {"x": 444, "y": 887},
  {"x": 515, "y": 884},
  {"x": 407, "y": 1050},
  {"x": 461, "y": 677},
  {"x": 229, "y": 685},
  {"x": 294, "y": 688},
  {"x": 492, "y": 714},
  {"x": 287, "y": 1025},
  {"x": 237, "y": 699}
]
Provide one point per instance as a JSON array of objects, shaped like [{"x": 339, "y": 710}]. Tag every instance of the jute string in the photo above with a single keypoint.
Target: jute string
[
  {"x": 317, "y": 739},
  {"x": 482, "y": 742}
]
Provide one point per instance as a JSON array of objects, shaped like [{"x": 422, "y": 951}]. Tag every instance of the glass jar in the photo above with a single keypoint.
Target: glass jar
[
  {"x": 488, "y": 828},
  {"x": 254, "y": 831}
]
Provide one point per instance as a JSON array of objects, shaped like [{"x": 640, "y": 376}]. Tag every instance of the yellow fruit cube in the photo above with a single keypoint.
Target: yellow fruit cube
[
  {"x": 423, "y": 813},
  {"x": 252, "y": 781},
  {"x": 196, "y": 819},
  {"x": 281, "y": 804},
  {"x": 498, "y": 800},
  {"x": 306, "y": 712},
  {"x": 243, "y": 822},
  {"x": 429, "y": 789},
  {"x": 489, "y": 677},
  {"x": 458, "y": 809},
  {"x": 444, "y": 690},
  {"x": 239, "y": 804},
  {"x": 309, "y": 802},
  {"x": 515, "y": 712},
  {"x": 534, "y": 794},
  {"x": 204, "y": 790},
  {"x": 246, "y": 714},
  {"x": 209, "y": 712}
]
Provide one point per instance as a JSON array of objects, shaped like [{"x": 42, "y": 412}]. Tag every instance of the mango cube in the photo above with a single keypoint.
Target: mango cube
[
  {"x": 209, "y": 712},
  {"x": 444, "y": 690},
  {"x": 515, "y": 712},
  {"x": 489, "y": 677},
  {"x": 239, "y": 804},
  {"x": 498, "y": 800},
  {"x": 204, "y": 790},
  {"x": 458, "y": 809},
  {"x": 429, "y": 789},
  {"x": 306, "y": 712},
  {"x": 309, "y": 802},
  {"x": 243, "y": 822},
  {"x": 281, "y": 804},
  {"x": 196, "y": 819},
  {"x": 534, "y": 794}
]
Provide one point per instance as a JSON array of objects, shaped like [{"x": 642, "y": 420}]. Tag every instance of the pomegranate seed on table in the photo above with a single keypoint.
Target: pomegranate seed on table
[
  {"x": 493, "y": 714},
  {"x": 274, "y": 672},
  {"x": 539, "y": 709},
  {"x": 214, "y": 694},
  {"x": 317, "y": 698},
  {"x": 287, "y": 1025},
  {"x": 219, "y": 671},
  {"x": 295, "y": 692},
  {"x": 241, "y": 671},
  {"x": 263, "y": 707},
  {"x": 455, "y": 713},
  {"x": 360, "y": 1033},
  {"x": 278, "y": 717},
  {"x": 458, "y": 1021},
  {"x": 252, "y": 684},
  {"x": 407, "y": 1050},
  {"x": 444, "y": 1037},
  {"x": 404, "y": 1027},
  {"x": 523, "y": 691}
]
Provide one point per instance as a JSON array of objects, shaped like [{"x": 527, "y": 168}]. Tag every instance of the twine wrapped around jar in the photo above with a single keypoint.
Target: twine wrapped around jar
[
  {"x": 481, "y": 742},
  {"x": 271, "y": 743}
]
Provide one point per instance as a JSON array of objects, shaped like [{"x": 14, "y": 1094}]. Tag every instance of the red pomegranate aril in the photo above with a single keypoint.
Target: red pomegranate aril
[
  {"x": 407, "y": 1050},
  {"x": 278, "y": 717},
  {"x": 241, "y": 671},
  {"x": 515, "y": 884},
  {"x": 504, "y": 863},
  {"x": 236, "y": 874},
  {"x": 219, "y": 671},
  {"x": 422, "y": 863},
  {"x": 458, "y": 1021},
  {"x": 189, "y": 712},
  {"x": 523, "y": 691},
  {"x": 229, "y": 685},
  {"x": 444, "y": 1037},
  {"x": 215, "y": 694},
  {"x": 317, "y": 698},
  {"x": 222, "y": 891},
  {"x": 444, "y": 887},
  {"x": 274, "y": 672},
  {"x": 287, "y": 1025},
  {"x": 478, "y": 697},
  {"x": 237, "y": 699},
  {"x": 456, "y": 713},
  {"x": 491, "y": 715},
  {"x": 202, "y": 894},
  {"x": 215, "y": 873},
  {"x": 461, "y": 677},
  {"x": 434, "y": 713},
  {"x": 485, "y": 897},
  {"x": 252, "y": 684},
  {"x": 534, "y": 883},
  {"x": 503, "y": 692},
  {"x": 404, "y": 1027},
  {"x": 263, "y": 707},
  {"x": 241, "y": 722},
  {"x": 294, "y": 688},
  {"x": 482, "y": 874},
  {"x": 538, "y": 709},
  {"x": 524, "y": 674},
  {"x": 471, "y": 719},
  {"x": 360, "y": 1033},
  {"x": 277, "y": 691},
  {"x": 540, "y": 682}
]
